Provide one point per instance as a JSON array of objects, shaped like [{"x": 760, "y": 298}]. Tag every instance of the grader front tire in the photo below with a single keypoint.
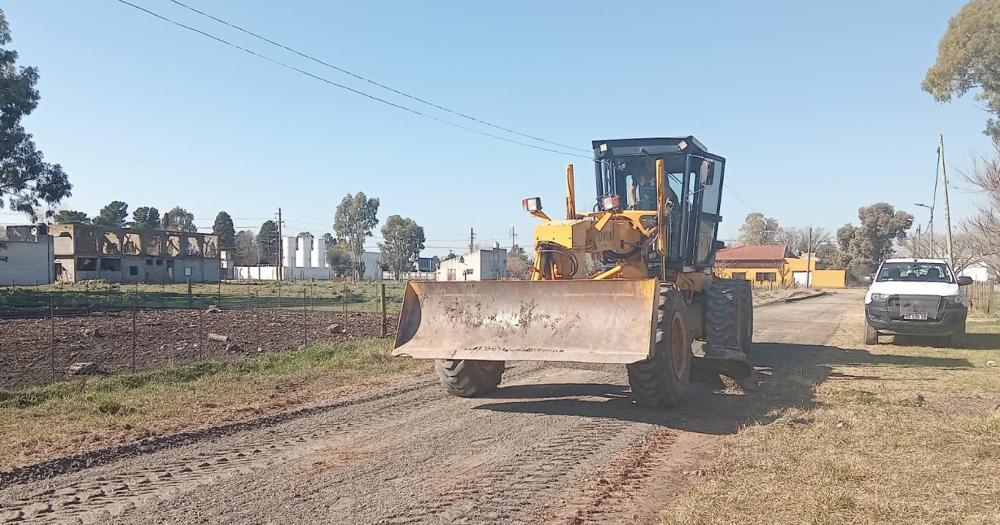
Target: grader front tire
[
  {"x": 661, "y": 380},
  {"x": 469, "y": 378}
]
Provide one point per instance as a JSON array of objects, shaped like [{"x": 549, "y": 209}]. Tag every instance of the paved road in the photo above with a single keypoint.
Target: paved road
[{"x": 557, "y": 443}]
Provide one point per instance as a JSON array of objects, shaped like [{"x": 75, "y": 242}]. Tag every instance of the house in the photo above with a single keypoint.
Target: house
[
  {"x": 479, "y": 265},
  {"x": 773, "y": 265},
  {"x": 26, "y": 255},
  {"x": 978, "y": 271},
  {"x": 83, "y": 252}
]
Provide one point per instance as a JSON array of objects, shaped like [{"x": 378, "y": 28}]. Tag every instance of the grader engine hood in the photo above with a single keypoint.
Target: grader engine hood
[{"x": 570, "y": 320}]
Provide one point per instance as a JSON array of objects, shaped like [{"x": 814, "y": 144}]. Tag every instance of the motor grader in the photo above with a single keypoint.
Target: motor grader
[{"x": 629, "y": 282}]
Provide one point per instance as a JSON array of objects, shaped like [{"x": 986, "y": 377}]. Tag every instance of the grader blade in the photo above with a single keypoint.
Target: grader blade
[{"x": 586, "y": 321}]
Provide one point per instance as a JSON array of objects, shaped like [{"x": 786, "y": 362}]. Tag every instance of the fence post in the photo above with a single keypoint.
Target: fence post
[
  {"x": 305, "y": 326},
  {"x": 381, "y": 297},
  {"x": 52, "y": 335},
  {"x": 344, "y": 300},
  {"x": 989, "y": 297},
  {"x": 135, "y": 310}
]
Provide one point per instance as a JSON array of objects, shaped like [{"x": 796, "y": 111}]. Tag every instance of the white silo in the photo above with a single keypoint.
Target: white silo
[
  {"x": 305, "y": 250},
  {"x": 288, "y": 252},
  {"x": 319, "y": 253}
]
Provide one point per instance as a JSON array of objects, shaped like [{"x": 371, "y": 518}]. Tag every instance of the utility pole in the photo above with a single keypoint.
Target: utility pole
[
  {"x": 278, "y": 256},
  {"x": 947, "y": 206},
  {"x": 513, "y": 238},
  {"x": 809, "y": 258},
  {"x": 472, "y": 239}
]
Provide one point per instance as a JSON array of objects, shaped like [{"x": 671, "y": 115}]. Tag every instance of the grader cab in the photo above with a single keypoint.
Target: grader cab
[{"x": 630, "y": 282}]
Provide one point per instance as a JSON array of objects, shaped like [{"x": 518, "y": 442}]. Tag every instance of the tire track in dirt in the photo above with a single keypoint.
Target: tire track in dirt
[{"x": 412, "y": 454}]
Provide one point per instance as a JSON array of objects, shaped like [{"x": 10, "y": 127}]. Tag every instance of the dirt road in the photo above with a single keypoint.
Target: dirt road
[{"x": 558, "y": 443}]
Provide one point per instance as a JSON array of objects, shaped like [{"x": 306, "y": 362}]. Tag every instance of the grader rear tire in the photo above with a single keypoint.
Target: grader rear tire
[
  {"x": 724, "y": 324},
  {"x": 469, "y": 378},
  {"x": 661, "y": 380}
]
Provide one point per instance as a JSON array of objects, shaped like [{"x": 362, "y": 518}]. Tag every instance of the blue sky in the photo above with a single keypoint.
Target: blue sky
[{"x": 816, "y": 106}]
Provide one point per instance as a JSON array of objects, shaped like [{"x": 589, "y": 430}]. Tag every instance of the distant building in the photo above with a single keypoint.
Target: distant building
[
  {"x": 977, "y": 271},
  {"x": 26, "y": 255},
  {"x": 303, "y": 257},
  {"x": 480, "y": 265},
  {"x": 116, "y": 255},
  {"x": 773, "y": 265}
]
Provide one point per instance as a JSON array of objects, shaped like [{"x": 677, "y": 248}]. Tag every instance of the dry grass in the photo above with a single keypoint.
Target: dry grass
[
  {"x": 900, "y": 437},
  {"x": 72, "y": 416}
]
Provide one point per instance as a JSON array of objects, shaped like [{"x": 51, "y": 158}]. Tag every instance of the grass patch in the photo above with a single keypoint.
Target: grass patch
[
  {"x": 906, "y": 433},
  {"x": 69, "y": 416}
]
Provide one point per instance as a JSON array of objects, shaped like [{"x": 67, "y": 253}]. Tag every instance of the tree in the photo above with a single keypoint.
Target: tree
[
  {"x": 982, "y": 229},
  {"x": 797, "y": 239},
  {"x": 180, "y": 220},
  {"x": 758, "y": 229},
  {"x": 518, "y": 263},
  {"x": 267, "y": 241},
  {"x": 71, "y": 217},
  {"x": 969, "y": 58},
  {"x": 340, "y": 259},
  {"x": 245, "y": 249},
  {"x": 26, "y": 180},
  {"x": 829, "y": 256},
  {"x": 403, "y": 239},
  {"x": 223, "y": 227},
  {"x": 354, "y": 221},
  {"x": 146, "y": 218},
  {"x": 112, "y": 216},
  {"x": 870, "y": 243}
]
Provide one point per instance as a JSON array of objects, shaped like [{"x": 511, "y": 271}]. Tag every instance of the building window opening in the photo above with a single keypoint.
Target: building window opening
[
  {"x": 86, "y": 264},
  {"x": 111, "y": 265}
]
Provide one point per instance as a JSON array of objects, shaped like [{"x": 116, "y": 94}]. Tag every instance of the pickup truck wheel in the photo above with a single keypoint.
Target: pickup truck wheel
[
  {"x": 957, "y": 339},
  {"x": 871, "y": 334}
]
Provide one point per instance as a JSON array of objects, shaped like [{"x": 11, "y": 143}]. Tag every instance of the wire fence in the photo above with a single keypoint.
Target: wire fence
[
  {"x": 981, "y": 297},
  {"x": 52, "y": 332}
]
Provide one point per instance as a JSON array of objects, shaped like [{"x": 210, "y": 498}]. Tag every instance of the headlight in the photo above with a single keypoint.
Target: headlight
[{"x": 880, "y": 297}]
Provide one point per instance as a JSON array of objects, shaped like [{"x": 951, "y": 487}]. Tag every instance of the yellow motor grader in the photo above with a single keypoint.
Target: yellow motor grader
[{"x": 629, "y": 282}]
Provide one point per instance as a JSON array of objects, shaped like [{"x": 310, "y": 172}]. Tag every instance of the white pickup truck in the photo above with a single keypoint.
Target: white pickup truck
[{"x": 916, "y": 297}]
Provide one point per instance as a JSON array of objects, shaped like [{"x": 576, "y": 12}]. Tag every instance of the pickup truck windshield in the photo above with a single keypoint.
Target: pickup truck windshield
[{"x": 923, "y": 272}]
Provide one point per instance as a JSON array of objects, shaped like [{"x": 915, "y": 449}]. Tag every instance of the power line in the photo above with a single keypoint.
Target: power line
[
  {"x": 373, "y": 82},
  {"x": 344, "y": 87}
]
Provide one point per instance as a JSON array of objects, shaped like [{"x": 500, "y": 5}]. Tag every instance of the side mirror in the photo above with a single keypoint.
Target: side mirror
[
  {"x": 964, "y": 280},
  {"x": 867, "y": 279}
]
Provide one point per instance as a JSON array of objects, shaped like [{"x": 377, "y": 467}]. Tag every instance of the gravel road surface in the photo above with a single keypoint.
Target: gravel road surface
[{"x": 557, "y": 443}]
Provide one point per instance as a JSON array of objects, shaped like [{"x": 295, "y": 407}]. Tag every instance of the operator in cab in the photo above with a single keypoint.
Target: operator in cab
[{"x": 643, "y": 190}]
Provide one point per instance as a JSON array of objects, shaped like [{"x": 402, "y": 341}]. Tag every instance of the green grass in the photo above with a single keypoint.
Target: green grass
[
  {"x": 360, "y": 296},
  {"x": 70, "y": 416}
]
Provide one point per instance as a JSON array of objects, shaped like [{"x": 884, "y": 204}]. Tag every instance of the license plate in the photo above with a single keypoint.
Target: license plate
[{"x": 915, "y": 317}]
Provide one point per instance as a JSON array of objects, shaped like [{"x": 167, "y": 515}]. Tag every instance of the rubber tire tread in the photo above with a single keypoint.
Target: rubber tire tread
[
  {"x": 467, "y": 377},
  {"x": 871, "y": 334},
  {"x": 957, "y": 339},
  {"x": 654, "y": 381},
  {"x": 722, "y": 314}
]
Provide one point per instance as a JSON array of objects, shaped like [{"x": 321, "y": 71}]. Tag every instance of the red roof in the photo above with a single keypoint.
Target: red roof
[{"x": 753, "y": 252}]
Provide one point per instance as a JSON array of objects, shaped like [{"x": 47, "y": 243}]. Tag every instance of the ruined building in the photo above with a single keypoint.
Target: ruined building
[{"x": 125, "y": 255}]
